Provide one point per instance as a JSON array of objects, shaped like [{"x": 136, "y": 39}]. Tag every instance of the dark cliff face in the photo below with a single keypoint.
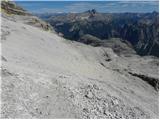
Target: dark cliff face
[{"x": 140, "y": 29}]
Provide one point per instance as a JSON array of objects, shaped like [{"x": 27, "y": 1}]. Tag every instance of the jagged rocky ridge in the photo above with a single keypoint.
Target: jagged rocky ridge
[
  {"x": 11, "y": 9},
  {"x": 140, "y": 29}
]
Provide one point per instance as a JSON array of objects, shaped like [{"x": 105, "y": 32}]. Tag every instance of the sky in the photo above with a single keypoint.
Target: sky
[{"x": 81, "y": 6}]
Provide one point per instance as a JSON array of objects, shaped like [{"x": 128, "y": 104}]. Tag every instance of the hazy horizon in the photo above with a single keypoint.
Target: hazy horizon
[{"x": 81, "y": 6}]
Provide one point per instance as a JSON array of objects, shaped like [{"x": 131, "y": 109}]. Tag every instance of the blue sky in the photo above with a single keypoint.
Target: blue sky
[{"x": 81, "y": 6}]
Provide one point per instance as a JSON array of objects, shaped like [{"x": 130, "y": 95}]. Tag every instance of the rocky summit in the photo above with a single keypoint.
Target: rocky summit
[{"x": 45, "y": 75}]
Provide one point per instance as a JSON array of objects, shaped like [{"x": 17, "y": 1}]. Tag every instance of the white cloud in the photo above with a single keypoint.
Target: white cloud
[{"x": 82, "y": 6}]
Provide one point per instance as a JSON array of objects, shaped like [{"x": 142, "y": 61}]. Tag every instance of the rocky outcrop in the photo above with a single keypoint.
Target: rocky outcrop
[
  {"x": 11, "y": 8},
  {"x": 118, "y": 45},
  {"x": 91, "y": 40},
  {"x": 152, "y": 81},
  {"x": 34, "y": 21}
]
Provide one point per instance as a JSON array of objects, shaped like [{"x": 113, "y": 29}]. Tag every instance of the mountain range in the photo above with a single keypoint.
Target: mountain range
[{"x": 141, "y": 30}]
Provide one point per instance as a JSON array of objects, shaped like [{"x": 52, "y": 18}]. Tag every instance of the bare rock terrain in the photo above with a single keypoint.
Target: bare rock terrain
[{"x": 47, "y": 76}]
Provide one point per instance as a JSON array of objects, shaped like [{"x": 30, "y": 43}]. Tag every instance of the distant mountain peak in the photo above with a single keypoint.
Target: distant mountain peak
[{"x": 93, "y": 11}]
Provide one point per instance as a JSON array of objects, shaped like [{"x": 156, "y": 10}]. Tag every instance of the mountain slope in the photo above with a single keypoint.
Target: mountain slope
[
  {"x": 11, "y": 8},
  {"x": 46, "y": 76}
]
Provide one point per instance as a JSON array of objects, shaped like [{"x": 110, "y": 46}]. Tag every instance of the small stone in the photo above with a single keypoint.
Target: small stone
[
  {"x": 85, "y": 110},
  {"x": 114, "y": 101},
  {"x": 72, "y": 96},
  {"x": 95, "y": 87},
  {"x": 47, "y": 96},
  {"x": 107, "y": 113},
  {"x": 89, "y": 95}
]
